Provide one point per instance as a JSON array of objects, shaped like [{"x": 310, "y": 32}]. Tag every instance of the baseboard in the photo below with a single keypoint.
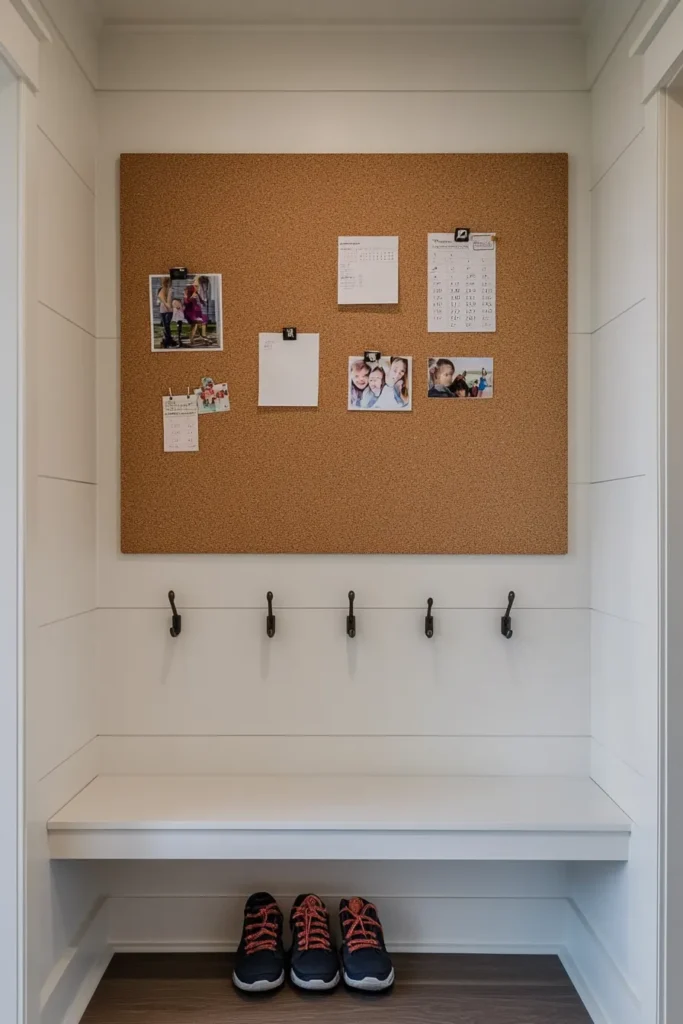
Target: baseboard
[
  {"x": 73, "y": 980},
  {"x": 424, "y": 923},
  {"x": 604, "y": 990}
]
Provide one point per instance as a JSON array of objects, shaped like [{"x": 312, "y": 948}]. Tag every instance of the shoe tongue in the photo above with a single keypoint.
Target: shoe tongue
[
  {"x": 260, "y": 899},
  {"x": 356, "y": 905}
]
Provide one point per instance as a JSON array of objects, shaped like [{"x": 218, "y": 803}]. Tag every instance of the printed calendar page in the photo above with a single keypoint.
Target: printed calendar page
[{"x": 462, "y": 284}]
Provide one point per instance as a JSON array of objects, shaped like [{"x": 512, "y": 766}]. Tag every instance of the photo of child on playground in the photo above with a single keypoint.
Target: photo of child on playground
[
  {"x": 186, "y": 313},
  {"x": 453, "y": 377}
]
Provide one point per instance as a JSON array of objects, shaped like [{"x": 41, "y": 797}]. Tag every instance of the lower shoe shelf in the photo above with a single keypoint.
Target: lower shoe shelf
[{"x": 294, "y": 817}]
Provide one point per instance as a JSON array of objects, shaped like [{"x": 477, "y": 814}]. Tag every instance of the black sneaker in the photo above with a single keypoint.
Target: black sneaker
[
  {"x": 365, "y": 960},
  {"x": 314, "y": 963},
  {"x": 260, "y": 962}
]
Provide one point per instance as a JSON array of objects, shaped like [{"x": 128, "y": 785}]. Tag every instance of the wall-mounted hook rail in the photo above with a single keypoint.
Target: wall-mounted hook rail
[
  {"x": 177, "y": 620},
  {"x": 506, "y": 620},
  {"x": 270, "y": 618},
  {"x": 429, "y": 619},
  {"x": 351, "y": 618}
]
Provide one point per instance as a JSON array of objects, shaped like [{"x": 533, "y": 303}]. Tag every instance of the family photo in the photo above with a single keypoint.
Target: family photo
[
  {"x": 186, "y": 313},
  {"x": 380, "y": 383},
  {"x": 451, "y": 377}
]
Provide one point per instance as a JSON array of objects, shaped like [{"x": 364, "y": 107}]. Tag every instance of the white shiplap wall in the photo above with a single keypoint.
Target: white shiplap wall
[
  {"x": 310, "y": 700},
  {"x": 614, "y": 932},
  {"x": 61, "y": 701}
]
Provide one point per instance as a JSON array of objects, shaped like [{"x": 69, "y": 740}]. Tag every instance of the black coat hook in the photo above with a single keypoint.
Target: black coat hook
[
  {"x": 176, "y": 619},
  {"x": 506, "y": 621},
  {"x": 270, "y": 618},
  {"x": 351, "y": 618},
  {"x": 429, "y": 619}
]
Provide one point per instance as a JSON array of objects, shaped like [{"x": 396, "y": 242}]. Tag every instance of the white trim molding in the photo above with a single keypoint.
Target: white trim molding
[
  {"x": 661, "y": 47},
  {"x": 21, "y": 33}
]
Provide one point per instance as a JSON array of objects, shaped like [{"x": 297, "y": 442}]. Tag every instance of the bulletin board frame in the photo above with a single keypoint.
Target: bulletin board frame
[{"x": 455, "y": 477}]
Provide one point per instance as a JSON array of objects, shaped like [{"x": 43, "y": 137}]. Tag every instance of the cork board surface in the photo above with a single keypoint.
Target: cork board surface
[{"x": 454, "y": 477}]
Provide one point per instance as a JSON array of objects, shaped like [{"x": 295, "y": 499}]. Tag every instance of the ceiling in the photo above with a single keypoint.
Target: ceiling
[{"x": 329, "y": 13}]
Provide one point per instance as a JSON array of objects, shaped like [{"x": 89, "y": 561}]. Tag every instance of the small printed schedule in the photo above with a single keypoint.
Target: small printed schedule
[{"x": 462, "y": 284}]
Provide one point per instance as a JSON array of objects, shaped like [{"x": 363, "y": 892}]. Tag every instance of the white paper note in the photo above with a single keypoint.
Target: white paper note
[
  {"x": 462, "y": 284},
  {"x": 367, "y": 270},
  {"x": 181, "y": 423},
  {"x": 288, "y": 370}
]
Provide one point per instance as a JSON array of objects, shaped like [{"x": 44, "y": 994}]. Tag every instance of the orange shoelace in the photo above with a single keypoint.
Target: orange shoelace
[
  {"x": 310, "y": 919},
  {"x": 361, "y": 930},
  {"x": 262, "y": 931}
]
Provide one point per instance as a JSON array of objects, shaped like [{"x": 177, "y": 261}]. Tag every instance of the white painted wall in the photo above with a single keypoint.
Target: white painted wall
[
  {"x": 309, "y": 699},
  {"x": 61, "y": 597},
  {"x": 616, "y": 921}
]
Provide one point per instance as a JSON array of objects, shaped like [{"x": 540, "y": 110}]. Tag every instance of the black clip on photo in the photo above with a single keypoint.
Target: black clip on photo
[
  {"x": 270, "y": 618},
  {"x": 176, "y": 619},
  {"x": 429, "y": 619},
  {"x": 351, "y": 618},
  {"x": 289, "y": 333},
  {"x": 506, "y": 621}
]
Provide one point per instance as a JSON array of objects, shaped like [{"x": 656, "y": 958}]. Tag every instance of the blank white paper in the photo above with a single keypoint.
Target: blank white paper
[
  {"x": 288, "y": 370},
  {"x": 181, "y": 423},
  {"x": 367, "y": 270},
  {"x": 462, "y": 284}
]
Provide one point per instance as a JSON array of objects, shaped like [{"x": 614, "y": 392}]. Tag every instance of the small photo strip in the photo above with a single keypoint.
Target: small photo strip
[
  {"x": 454, "y": 377},
  {"x": 380, "y": 385},
  {"x": 212, "y": 397},
  {"x": 186, "y": 313}
]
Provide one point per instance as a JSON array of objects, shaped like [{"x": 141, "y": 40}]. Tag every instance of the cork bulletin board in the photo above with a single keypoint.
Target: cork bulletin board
[{"x": 454, "y": 477}]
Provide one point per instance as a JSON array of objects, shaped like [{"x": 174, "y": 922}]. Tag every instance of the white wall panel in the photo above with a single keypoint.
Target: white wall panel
[
  {"x": 580, "y": 408},
  {"x": 354, "y": 59},
  {"x": 62, "y": 698},
  {"x": 625, "y": 387},
  {"x": 64, "y": 396},
  {"x": 223, "y": 675},
  {"x": 618, "y": 115},
  {"x": 65, "y": 549},
  {"x": 624, "y": 549},
  {"x": 619, "y": 230},
  {"x": 67, "y": 108},
  {"x": 345, "y": 755},
  {"x": 624, "y": 691},
  {"x": 64, "y": 278}
]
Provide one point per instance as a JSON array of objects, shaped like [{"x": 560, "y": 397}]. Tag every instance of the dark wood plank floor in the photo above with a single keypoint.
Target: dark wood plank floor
[{"x": 196, "y": 989}]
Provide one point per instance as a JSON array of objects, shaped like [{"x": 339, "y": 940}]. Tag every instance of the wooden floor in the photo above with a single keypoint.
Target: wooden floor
[{"x": 196, "y": 989}]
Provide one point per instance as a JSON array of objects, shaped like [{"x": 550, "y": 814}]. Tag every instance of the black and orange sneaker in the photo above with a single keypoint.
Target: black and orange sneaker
[
  {"x": 365, "y": 960},
  {"x": 260, "y": 961},
  {"x": 314, "y": 964}
]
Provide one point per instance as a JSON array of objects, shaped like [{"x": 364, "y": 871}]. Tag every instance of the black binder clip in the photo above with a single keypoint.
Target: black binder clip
[
  {"x": 289, "y": 333},
  {"x": 429, "y": 620},
  {"x": 176, "y": 619},
  {"x": 270, "y": 618},
  {"x": 462, "y": 234},
  {"x": 506, "y": 621},
  {"x": 179, "y": 273},
  {"x": 351, "y": 618}
]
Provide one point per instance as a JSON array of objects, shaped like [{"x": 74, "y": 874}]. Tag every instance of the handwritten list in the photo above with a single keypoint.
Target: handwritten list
[
  {"x": 462, "y": 284},
  {"x": 181, "y": 423}
]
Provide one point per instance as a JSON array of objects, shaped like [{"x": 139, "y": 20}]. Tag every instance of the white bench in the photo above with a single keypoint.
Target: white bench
[{"x": 294, "y": 817}]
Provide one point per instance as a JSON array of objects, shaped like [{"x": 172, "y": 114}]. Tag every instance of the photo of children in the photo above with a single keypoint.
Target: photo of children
[
  {"x": 212, "y": 397},
  {"x": 383, "y": 385},
  {"x": 186, "y": 314},
  {"x": 453, "y": 377}
]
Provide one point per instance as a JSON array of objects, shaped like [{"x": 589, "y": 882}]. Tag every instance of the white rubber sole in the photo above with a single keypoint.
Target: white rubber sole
[
  {"x": 314, "y": 984},
  {"x": 370, "y": 984},
  {"x": 258, "y": 986}
]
